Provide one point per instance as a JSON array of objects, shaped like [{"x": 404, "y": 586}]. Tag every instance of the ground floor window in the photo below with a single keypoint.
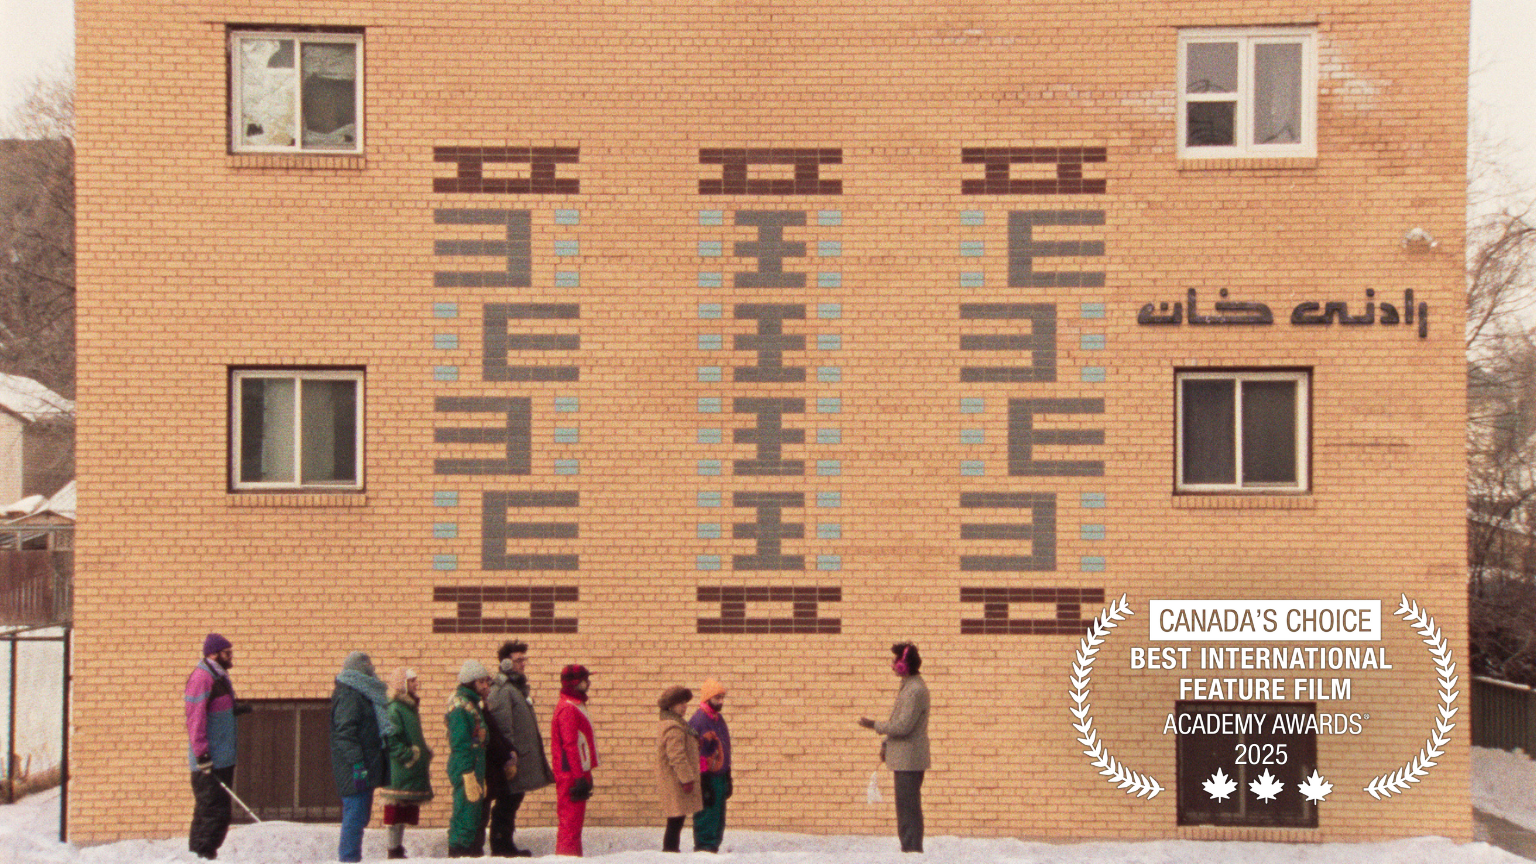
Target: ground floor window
[
  {"x": 284, "y": 770},
  {"x": 1244, "y": 763}
]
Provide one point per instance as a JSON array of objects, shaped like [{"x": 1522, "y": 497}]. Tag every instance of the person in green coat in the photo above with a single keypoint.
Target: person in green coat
[
  {"x": 466, "y": 761},
  {"x": 410, "y": 784}
]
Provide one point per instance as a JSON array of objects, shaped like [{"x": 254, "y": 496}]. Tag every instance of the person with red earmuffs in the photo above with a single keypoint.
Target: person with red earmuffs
[{"x": 905, "y": 749}]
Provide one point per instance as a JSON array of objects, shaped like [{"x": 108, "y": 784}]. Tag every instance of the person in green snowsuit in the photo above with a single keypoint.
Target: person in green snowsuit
[
  {"x": 410, "y": 783},
  {"x": 466, "y": 761}
]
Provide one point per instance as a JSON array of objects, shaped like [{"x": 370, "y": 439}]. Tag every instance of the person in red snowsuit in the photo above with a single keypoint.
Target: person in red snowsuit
[{"x": 573, "y": 754}]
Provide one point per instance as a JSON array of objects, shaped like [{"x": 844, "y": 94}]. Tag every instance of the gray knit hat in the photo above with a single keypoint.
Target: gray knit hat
[
  {"x": 358, "y": 661},
  {"x": 472, "y": 671}
]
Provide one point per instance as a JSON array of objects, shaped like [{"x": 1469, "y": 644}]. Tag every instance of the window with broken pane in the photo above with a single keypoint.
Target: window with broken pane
[
  {"x": 296, "y": 92},
  {"x": 1247, "y": 93}
]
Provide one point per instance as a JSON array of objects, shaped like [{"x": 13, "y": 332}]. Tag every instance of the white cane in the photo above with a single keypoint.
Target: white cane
[{"x": 236, "y": 798}]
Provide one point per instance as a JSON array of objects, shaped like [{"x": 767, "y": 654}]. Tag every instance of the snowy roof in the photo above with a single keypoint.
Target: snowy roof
[
  {"x": 31, "y": 400},
  {"x": 61, "y": 504}
]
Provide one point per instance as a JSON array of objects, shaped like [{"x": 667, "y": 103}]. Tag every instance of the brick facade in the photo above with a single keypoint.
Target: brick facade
[{"x": 787, "y": 332}]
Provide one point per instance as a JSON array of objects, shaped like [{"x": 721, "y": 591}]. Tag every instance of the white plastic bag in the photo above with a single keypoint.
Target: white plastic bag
[{"x": 872, "y": 794}]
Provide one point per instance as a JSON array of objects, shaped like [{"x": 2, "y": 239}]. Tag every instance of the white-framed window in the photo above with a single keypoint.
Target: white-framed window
[
  {"x": 295, "y": 92},
  {"x": 1243, "y": 431},
  {"x": 1247, "y": 93},
  {"x": 296, "y": 429}
]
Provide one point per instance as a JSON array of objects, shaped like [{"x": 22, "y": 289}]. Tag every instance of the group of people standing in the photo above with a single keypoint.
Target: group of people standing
[{"x": 496, "y": 753}]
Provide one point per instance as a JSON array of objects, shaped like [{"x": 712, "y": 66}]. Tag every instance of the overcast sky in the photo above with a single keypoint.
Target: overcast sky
[{"x": 36, "y": 33}]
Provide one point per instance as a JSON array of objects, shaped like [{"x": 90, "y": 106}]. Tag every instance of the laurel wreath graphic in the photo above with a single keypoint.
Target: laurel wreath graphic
[
  {"x": 1399, "y": 781},
  {"x": 1141, "y": 785}
]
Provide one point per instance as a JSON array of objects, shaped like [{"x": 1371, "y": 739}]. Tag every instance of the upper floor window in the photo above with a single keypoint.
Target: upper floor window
[
  {"x": 1242, "y": 431},
  {"x": 1247, "y": 93},
  {"x": 297, "y": 429},
  {"x": 295, "y": 92}
]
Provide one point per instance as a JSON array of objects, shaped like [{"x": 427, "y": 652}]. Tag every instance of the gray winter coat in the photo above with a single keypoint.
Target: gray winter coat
[
  {"x": 906, "y": 733},
  {"x": 512, "y": 712}
]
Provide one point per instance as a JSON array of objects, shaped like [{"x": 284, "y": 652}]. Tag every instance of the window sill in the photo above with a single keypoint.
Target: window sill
[
  {"x": 1258, "y": 501},
  {"x": 299, "y": 161},
  {"x": 1229, "y": 163},
  {"x": 297, "y": 499}
]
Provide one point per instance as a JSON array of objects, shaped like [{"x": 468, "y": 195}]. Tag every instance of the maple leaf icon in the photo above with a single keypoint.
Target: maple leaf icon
[
  {"x": 1266, "y": 787},
  {"x": 1219, "y": 786},
  {"x": 1315, "y": 789}
]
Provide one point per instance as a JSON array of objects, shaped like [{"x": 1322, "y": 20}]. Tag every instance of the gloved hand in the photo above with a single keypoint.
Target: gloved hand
[
  {"x": 359, "y": 779},
  {"x": 510, "y": 769},
  {"x": 688, "y": 788},
  {"x": 709, "y": 794},
  {"x": 581, "y": 790},
  {"x": 205, "y": 763}
]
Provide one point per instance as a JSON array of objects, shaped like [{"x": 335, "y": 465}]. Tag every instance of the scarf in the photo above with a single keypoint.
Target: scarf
[{"x": 376, "y": 691}]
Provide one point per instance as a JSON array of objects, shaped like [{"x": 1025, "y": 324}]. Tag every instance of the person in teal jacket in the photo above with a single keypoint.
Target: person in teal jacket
[
  {"x": 410, "y": 759},
  {"x": 466, "y": 761}
]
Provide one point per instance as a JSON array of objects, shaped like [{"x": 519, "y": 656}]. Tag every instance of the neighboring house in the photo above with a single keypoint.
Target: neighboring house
[
  {"x": 37, "y": 559},
  {"x": 744, "y": 339},
  {"x": 37, "y": 439}
]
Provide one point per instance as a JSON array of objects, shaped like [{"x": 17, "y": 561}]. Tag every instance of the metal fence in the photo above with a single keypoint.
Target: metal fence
[{"x": 1503, "y": 715}]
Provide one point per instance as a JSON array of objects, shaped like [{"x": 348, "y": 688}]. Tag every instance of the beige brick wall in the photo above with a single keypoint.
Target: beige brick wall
[{"x": 193, "y": 260}]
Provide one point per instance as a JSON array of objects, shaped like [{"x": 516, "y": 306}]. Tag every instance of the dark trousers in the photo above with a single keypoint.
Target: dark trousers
[
  {"x": 673, "y": 835},
  {"x": 909, "y": 810},
  {"x": 211, "y": 812},
  {"x": 503, "y": 822}
]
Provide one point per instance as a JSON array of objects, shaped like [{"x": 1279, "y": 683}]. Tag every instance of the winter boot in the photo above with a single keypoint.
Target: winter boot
[{"x": 397, "y": 852}]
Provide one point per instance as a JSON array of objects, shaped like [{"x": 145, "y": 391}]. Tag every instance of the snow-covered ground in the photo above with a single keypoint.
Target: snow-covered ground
[{"x": 29, "y": 835}]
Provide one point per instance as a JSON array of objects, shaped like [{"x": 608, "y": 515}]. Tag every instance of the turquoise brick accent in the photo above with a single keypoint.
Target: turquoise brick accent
[
  {"x": 711, "y": 436},
  {"x": 829, "y": 374},
  {"x": 829, "y": 248},
  {"x": 709, "y": 531},
  {"x": 1091, "y": 532},
  {"x": 972, "y": 248},
  {"x": 973, "y": 436},
  {"x": 445, "y": 310},
  {"x": 829, "y": 531},
  {"x": 710, "y": 249},
  {"x": 445, "y": 499},
  {"x": 567, "y": 435},
  {"x": 829, "y": 342},
  {"x": 567, "y": 404},
  {"x": 829, "y": 499},
  {"x": 973, "y": 468},
  {"x": 711, "y": 310},
  {"x": 711, "y": 342},
  {"x": 567, "y": 279},
  {"x": 829, "y": 405},
  {"x": 707, "y": 562},
  {"x": 973, "y": 279},
  {"x": 829, "y": 311},
  {"x": 829, "y": 562},
  {"x": 709, "y": 499},
  {"x": 1093, "y": 375},
  {"x": 829, "y": 217},
  {"x": 567, "y": 217},
  {"x": 1094, "y": 310},
  {"x": 708, "y": 468},
  {"x": 711, "y": 217},
  {"x": 1091, "y": 564},
  {"x": 709, "y": 374},
  {"x": 1093, "y": 342},
  {"x": 1095, "y": 500},
  {"x": 445, "y": 530},
  {"x": 829, "y": 436},
  {"x": 710, "y": 405},
  {"x": 567, "y": 248},
  {"x": 445, "y": 562},
  {"x": 829, "y": 467},
  {"x": 972, "y": 405},
  {"x": 445, "y": 341},
  {"x": 972, "y": 218},
  {"x": 829, "y": 280},
  {"x": 711, "y": 280},
  {"x": 567, "y": 467},
  {"x": 445, "y": 373}
]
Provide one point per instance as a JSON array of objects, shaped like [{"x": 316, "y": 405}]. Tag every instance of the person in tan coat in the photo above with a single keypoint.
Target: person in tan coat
[
  {"x": 677, "y": 765},
  {"x": 905, "y": 748}
]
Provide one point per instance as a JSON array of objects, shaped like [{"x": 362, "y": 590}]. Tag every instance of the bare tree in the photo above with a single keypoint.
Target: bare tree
[{"x": 37, "y": 235}]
